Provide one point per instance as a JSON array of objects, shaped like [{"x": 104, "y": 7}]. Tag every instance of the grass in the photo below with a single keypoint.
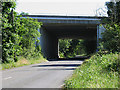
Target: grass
[
  {"x": 22, "y": 62},
  {"x": 96, "y": 72}
]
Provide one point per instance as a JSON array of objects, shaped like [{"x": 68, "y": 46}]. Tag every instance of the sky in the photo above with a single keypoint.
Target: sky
[{"x": 62, "y": 7}]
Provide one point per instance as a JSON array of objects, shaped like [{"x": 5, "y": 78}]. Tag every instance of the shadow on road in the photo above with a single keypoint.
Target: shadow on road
[
  {"x": 79, "y": 58},
  {"x": 59, "y": 65},
  {"x": 59, "y": 69}
]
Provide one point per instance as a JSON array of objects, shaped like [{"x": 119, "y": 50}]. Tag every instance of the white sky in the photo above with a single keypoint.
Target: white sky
[{"x": 60, "y": 7}]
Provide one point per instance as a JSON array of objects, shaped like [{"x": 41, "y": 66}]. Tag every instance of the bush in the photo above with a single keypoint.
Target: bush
[
  {"x": 111, "y": 38},
  {"x": 96, "y": 72},
  {"x": 71, "y": 47},
  {"x": 19, "y": 35}
]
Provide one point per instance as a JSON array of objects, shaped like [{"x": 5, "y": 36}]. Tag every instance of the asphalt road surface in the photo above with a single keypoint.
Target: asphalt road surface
[{"x": 44, "y": 75}]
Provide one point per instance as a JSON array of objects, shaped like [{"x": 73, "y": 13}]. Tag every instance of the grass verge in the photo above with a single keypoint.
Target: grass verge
[
  {"x": 22, "y": 62},
  {"x": 96, "y": 72}
]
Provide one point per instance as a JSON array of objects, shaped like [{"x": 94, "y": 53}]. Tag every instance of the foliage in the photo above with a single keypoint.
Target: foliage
[
  {"x": 29, "y": 33},
  {"x": 0, "y": 16},
  {"x": 64, "y": 44},
  {"x": 111, "y": 38},
  {"x": 96, "y": 72},
  {"x": 23, "y": 13},
  {"x": 19, "y": 35},
  {"x": 113, "y": 12},
  {"x": 71, "y": 47},
  {"x": 9, "y": 33},
  {"x": 22, "y": 62},
  {"x": 76, "y": 48}
]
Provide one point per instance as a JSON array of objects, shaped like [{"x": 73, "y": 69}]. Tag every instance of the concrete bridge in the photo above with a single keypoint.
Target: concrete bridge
[{"x": 72, "y": 27}]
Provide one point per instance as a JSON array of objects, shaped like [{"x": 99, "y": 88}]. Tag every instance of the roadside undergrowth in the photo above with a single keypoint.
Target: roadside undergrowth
[
  {"x": 96, "y": 72},
  {"x": 22, "y": 62}
]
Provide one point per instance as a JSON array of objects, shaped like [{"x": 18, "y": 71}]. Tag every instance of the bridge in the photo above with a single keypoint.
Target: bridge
[{"x": 71, "y": 27}]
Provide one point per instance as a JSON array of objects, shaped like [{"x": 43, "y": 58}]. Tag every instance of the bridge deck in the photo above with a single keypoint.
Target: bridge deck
[{"x": 66, "y": 19}]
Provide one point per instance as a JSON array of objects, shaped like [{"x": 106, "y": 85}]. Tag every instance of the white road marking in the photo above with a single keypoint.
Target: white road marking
[
  {"x": 61, "y": 86},
  {"x": 7, "y": 78}
]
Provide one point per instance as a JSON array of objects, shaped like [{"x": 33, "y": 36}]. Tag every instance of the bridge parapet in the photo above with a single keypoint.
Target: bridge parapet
[{"x": 65, "y": 19}]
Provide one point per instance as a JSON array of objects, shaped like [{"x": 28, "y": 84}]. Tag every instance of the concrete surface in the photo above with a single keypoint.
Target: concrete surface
[{"x": 44, "y": 75}]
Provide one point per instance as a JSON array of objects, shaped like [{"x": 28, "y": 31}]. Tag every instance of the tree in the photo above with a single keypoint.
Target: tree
[
  {"x": 29, "y": 33},
  {"x": 111, "y": 36},
  {"x": 113, "y": 11},
  {"x": 71, "y": 47},
  {"x": 63, "y": 46},
  {"x": 18, "y": 34},
  {"x": 10, "y": 50},
  {"x": 23, "y": 13}
]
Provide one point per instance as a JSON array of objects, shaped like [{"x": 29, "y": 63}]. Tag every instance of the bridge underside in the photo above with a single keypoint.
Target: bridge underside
[{"x": 50, "y": 33}]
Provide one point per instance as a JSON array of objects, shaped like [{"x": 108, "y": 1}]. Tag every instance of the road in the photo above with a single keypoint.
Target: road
[{"x": 44, "y": 75}]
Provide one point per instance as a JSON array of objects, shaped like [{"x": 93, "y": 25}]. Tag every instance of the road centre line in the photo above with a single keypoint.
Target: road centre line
[{"x": 7, "y": 78}]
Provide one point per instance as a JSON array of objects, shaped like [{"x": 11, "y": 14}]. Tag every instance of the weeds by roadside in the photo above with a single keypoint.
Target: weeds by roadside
[
  {"x": 22, "y": 62},
  {"x": 96, "y": 72}
]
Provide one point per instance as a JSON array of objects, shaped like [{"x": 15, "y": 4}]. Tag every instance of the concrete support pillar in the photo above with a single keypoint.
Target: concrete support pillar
[
  {"x": 49, "y": 44},
  {"x": 100, "y": 30},
  {"x": 97, "y": 38}
]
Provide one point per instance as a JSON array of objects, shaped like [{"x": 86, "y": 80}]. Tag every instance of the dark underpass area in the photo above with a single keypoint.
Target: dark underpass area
[{"x": 53, "y": 33}]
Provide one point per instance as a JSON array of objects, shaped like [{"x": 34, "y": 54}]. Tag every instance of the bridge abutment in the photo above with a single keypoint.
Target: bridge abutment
[{"x": 49, "y": 44}]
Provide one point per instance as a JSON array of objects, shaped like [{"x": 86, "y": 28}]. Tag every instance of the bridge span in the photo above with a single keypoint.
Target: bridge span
[{"x": 72, "y": 27}]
